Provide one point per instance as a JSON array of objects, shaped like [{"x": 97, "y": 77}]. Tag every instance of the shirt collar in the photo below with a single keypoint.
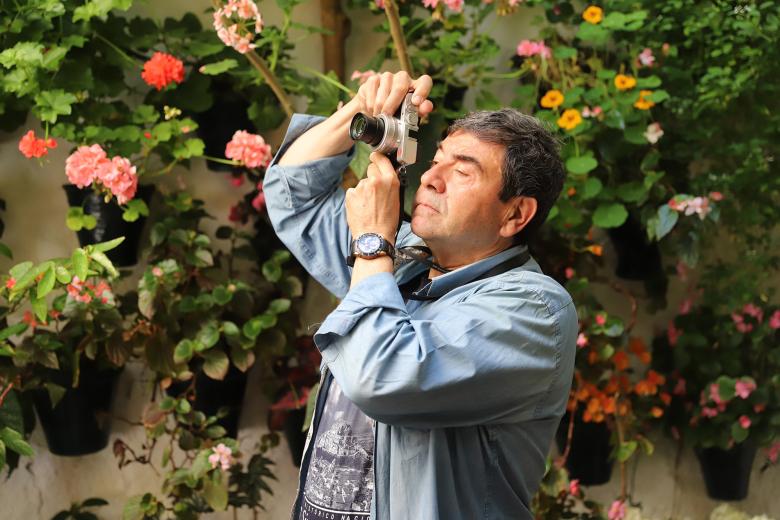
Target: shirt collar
[{"x": 444, "y": 283}]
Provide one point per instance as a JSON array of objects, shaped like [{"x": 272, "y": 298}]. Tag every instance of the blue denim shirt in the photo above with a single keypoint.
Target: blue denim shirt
[{"x": 467, "y": 390}]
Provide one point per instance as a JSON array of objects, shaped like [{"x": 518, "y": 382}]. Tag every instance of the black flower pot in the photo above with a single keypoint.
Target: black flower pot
[
  {"x": 217, "y": 125},
  {"x": 589, "y": 456},
  {"x": 294, "y": 434},
  {"x": 727, "y": 472},
  {"x": 213, "y": 394},
  {"x": 110, "y": 223},
  {"x": 80, "y": 422}
]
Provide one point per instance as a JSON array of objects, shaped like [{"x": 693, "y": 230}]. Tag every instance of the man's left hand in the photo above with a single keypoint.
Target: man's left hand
[{"x": 373, "y": 205}]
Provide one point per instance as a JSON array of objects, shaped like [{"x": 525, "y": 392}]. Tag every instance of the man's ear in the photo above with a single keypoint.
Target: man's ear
[{"x": 519, "y": 213}]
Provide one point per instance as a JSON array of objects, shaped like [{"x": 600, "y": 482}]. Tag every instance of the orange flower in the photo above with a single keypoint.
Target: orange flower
[
  {"x": 656, "y": 412},
  {"x": 621, "y": 360},
  {"x": 593, "y": 14},
  {"x": 624, "y": 82},
  {"x": 623, "y": 409},
  {"x": 595, "y": 249},
  {"x": 643, "y": 103},
  {"x": 593, "y": 357},
  {"x": 162, "y": 69},
  {"x": 570, "y": 119},
  {"x": 571, "y": 192},
  {"x": 666, "y": 398},
  {"x": 552, "y": 99},
  {"x": 637, "y": 347},
  {"x": 612, "y": 386},
  {"x": 655, "y": 378},
  {"x": 609, "y": 405}
]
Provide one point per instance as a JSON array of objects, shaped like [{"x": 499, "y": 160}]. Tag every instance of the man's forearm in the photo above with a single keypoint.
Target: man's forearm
[{"x": 329, "y": 138}]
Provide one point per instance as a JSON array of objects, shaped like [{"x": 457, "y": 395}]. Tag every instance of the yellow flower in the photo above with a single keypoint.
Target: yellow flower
[
  {"x": 552, "y": 99},
  {"x": 623, "y": 82},
  {"x": 593, "y": 14},
  {"x": 570, "y": 119},
  {"x": 642, "y": 103}
]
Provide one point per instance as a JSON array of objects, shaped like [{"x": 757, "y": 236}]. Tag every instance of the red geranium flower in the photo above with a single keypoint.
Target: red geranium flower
[{"x": 163, "y": 69}]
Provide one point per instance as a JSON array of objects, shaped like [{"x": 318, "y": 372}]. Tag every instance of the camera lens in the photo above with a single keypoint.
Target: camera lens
[{"x": 368, "y": 129}]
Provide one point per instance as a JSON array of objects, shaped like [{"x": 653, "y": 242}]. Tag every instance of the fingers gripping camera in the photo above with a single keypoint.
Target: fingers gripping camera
[{"x": 386, "y": 134}]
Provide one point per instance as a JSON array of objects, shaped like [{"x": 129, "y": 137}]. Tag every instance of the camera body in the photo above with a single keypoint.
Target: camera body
[{"x": 387, "y": 134}]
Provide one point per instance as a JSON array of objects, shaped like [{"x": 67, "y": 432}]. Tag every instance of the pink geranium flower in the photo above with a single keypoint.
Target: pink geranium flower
[
  {"x": 32, "y": 146},
  {"x": 617, "y": 511},
  {"x": 744, "y": 422},
  {"x": 774, "y": 320},
  {"x": 754, "y": 311},
  {"x": 454, "y": 5},
  {"x": 569, "y": 273},
  {"x": 222, "y": 456},
  {"x": 646, "y": 57},
  {"x": 430, "y": 4},
  {"x": 249, "y": 149},
  {"x": 118, "y": 175},
  {"x": 82, "y": 165},
  {"x": 529, "y": 48},
  {"x": 237, "y": 23},
  {"x": 744, "y": 387},
  {"x": 259, "y": 201},
  {"x": 773, "y": 452},
  {"x": 601, "y": 318},
  {"x": 574, "y": 487},
  {"x": 582, "y": 340}
]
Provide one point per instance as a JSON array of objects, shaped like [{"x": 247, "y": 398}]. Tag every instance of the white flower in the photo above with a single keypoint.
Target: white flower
[{"x": 653, "y": 133}]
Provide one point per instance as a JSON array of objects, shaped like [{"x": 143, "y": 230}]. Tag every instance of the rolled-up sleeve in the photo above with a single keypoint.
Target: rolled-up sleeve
[
  {"x": 306, "y": 206},
  {"x": 494, "y": 357}
]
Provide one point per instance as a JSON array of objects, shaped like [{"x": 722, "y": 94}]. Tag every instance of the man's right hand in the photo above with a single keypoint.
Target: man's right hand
[{"x": 383, "y": 93}]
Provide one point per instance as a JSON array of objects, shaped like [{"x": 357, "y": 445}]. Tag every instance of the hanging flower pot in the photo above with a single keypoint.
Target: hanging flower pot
[
  {"x": 211, "y": 395},
  {"x": 217, "y": 125},
  {"x": 589, "y": 455},
  {"x": 637, "y": 258},
  {"x": 80, "y": 422},
  {"x": 727, "y": 472},
  {"x": 110, "y": 223}
]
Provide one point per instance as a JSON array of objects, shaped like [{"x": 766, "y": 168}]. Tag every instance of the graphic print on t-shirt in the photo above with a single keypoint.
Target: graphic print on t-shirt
[{"x": 340, "y": 480}]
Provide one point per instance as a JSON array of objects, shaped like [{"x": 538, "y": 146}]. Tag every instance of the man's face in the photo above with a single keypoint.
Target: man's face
[{"x": 457, "y": 204}]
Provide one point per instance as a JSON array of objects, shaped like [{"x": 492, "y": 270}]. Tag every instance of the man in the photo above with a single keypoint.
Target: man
[{"x": 441, "y": 402}]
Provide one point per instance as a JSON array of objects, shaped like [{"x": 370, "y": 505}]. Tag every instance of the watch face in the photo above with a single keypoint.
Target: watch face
[{"x": 369, "y": 244}]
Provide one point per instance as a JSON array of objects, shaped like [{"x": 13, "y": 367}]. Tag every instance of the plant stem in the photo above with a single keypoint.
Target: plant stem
[
  {"x": 391, "y": 9},
  {"x": 268, "y": 76},
  {"x": 619, "y": 428},
  {"x": 231, "y": 162},
  {"x": 5, "y": 392},
  {"x": 325, "y": 77},
  {"x": 115, "y": 48}
]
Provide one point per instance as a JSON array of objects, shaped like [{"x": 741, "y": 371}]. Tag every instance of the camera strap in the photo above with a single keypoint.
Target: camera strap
[{"x": 409, "y": 288}]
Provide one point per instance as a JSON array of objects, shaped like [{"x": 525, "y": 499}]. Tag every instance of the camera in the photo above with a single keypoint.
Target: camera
[{"x": 387, "y": 134}]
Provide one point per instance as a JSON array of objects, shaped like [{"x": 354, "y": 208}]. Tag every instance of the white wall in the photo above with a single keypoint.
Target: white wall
[{"x": 35, "y": 230}]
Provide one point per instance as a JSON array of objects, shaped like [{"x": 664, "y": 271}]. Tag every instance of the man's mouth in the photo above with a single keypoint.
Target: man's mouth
[{"x": 428, "y": 206}]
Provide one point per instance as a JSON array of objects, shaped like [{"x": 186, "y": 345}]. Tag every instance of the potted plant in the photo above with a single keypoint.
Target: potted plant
[
  {"x": 724, "y": 364},
  {"x": 67, "y": 349}
]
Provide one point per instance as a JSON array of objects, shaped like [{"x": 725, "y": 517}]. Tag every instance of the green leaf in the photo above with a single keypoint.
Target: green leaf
[
  {"x": 215, "y": 491},
  {"x": 272, "y": 271},
  {"x": 591, "y": 188},
  {"x": 635, "y": 135},
  {"x": 16, "y": 442},
  {"x": 167, "y": 403},
  {"x": 564, "y": 52},
  {"x": 183, "y": 351},
  {"x": 56, "y": 393},
  {"x": 221, "y": 295},
  {"x": 208, "y": 335},
  {"x": 666, "y": 218},
  {"x": 592, "y": 33},
  {"x": 135, "y": 209},
  {"x": 279, "y": 306},
  {"x": 108, "y": 245},
  {"x": 581, "y": 165},
  {"x": 218, "y": 67},
  {"x": 625, "y": 450},
  {"x": 216, "y": 364},
  {"x": 103, "y": 260},
  {"x": 39, "y": 308},
  {"x": 193, "y": 147},
  {"x": 311, "y": 404},
  {"x": 79, "y": 263},
  {"x": 134, "y": 508},
  {"x": 19, "y": 270},
  {"x": 606, "y": 352},
  {"x": 53, "y": 103},
  {"x": 47, "y": 282},
  {"x": 658, "y": 96},
  {"x": 99, "y": 9},
  {"x": 610, "y": 215},
  {"x": 632, "y": 191},
  {"x": 13, "y": 330},
  {"x": 6, "y": 251},
  {"x": 230, "y": 329},
  {"x": 648, "y": 82},
  {"x": 63, "y": 276},
  {"x": 738, "y": 432}
]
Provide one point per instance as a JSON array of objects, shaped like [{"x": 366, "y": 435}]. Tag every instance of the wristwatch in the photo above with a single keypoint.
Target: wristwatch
[{"x": 369, "y": 246}]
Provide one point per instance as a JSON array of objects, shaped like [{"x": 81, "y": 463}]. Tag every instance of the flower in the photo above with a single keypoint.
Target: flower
[
  {"x": 752, "y": 310},
  {"x": 431, "y": 3},
  {"x": 246, "y": 24},
  {"x": 709, "y": 412},
  {"x": 531, "y": 48},
  {"x": 156, "y": 271},
  {"x": 744, "y": 421},
  {"x": 362, "y": 77},
  {"x": 617, "y": 510},
  {"x": 601, "y": 318},
  {"x": 32, "y": 146},
  {"x": 595, "y": 249},
  {"x": 744, "y": 387},
  {"x": 10, "y": 283},
  {"x": 259, "y": 201},
  {"x": 716, "y": 196},
  {"x": 646, "y": 57},
  {"x": 30, "y": 320},
  {"x": 773, "y": 452},
  {"x": 552, "y": 99},
  {"x": 82, "y": 165},
  {"x": 249, "y": 149},
  {"x": 574, "y": 487},
  {"x": 715, "y": 394},
  {"x": 653, "y": 133},
  {"x": 454, "y": 5},
  {"x": 624, "y": 82},
  {"x": 591, "y": 112},
  {"x": 656, "y": 411},
  {"x": 162, "y": 69},
  {"x": 222, "y": 456},
  {"x": 679, "y": 387},
  {"x": 380, "y": 3},
  {"x": 690, "y": 205},
  {"x": 774, "y": 320},
  {"x": 593, "y": 14},
  {"x": 569, "y": 273},
  {"x": 642, "y": 103},
  {"x": 582, "y": 340},
  {"x": 118, "y": 175},
  {"x": 620, "y": 359},
  {"x": 570, "y": 119}
]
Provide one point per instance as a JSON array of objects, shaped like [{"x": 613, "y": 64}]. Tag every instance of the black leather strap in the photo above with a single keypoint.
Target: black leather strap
[{"x": 407, "y": 289}]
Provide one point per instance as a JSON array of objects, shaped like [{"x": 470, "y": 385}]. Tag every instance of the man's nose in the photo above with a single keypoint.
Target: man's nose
[{"x": 432, "y": 179}]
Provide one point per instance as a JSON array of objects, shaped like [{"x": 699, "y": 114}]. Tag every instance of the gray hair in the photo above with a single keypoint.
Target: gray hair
[{"x": 532, "y": 165}]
